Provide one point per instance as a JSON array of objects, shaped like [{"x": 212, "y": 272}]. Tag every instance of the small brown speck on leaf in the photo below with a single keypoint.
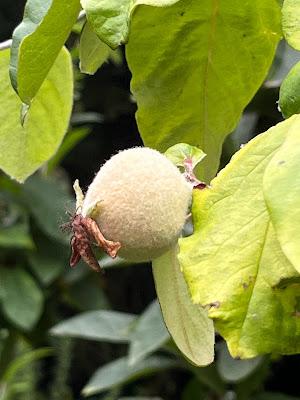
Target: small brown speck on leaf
[{"x": 215, "y": 304}]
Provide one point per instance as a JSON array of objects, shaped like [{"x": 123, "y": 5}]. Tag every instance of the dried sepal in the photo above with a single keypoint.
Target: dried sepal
[
  {"x": 110, "y": 247},
  {"x": 85, "y": 232}
]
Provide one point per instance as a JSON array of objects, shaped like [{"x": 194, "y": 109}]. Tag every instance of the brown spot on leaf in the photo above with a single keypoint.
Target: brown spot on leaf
[
  {"x": 247, "y": 284},
  {"x": 215, "y": 304}
]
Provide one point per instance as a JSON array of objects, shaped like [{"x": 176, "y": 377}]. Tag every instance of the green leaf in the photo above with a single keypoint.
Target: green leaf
[
  {"x": 254, "y": 382},
  {"x": 16, "y": 236},
  {"x": 37, "y": 42},
  {"x": 21, "y": 299},
  {"x": 233, "y": 262},
  {"x": 116, "y": 57},
  {"x": 181, "y": 152},
  {"x": 148, "y": 335},
  {"x": 87, "y": 294},
  {"x": 110, "y": 19},
  {"x": 210, "y": 378},
  {"x": 232, "y": 370},
  {"x": 188, "y": 324},
  {"x": 92, "y": 51},
  {"x": 199, "y": 95},
  {"x": 194, "y": 390},
  {"x": 8, "y": 345},
  {"x": 289, "y": 98},
  {"x": 282, "y": 192},
  {"x": 118, "y": 372},
  {"x": 48, "y": 260},
  {"x": 24, "y": 360},
  {"x": 48, "y": 200},
  {"x": 291, "y": 22},
  {"x": 25, "y": 148},
  {"x": 108, "y": 326},
  {"x": 274, "y": 396}
]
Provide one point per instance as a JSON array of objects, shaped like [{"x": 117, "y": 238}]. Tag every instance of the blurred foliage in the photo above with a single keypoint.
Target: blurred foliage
[{"x": 124, "y": 350}]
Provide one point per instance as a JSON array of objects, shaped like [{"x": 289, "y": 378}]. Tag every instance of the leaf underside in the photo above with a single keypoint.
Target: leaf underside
[
  {"x": 187, "y": 323},
  {"x": 92, "y": 51},
  {"x": 118, "y": 372}
]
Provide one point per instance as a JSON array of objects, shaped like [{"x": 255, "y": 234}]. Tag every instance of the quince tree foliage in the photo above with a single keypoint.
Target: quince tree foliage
[{"x": 195, "y": 67}]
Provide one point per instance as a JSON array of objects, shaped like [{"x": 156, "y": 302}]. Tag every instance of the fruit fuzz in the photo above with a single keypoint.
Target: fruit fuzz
[{"x": 143, "y": 200}]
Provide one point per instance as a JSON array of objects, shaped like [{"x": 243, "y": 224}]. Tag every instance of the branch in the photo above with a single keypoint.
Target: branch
[{"x": 6, "y": 44}]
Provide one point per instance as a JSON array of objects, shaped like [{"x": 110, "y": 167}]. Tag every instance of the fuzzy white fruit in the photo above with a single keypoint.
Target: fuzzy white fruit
[{"x": 144, "y": 200}]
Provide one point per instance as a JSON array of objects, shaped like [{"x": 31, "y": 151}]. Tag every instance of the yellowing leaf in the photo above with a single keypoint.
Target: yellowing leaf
[
  {"x": 291, "y": 22},
  {"x": 23, "y": 149},
  {"x": 282, "y": 193},
  {"x": 233, "y": 263}
]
